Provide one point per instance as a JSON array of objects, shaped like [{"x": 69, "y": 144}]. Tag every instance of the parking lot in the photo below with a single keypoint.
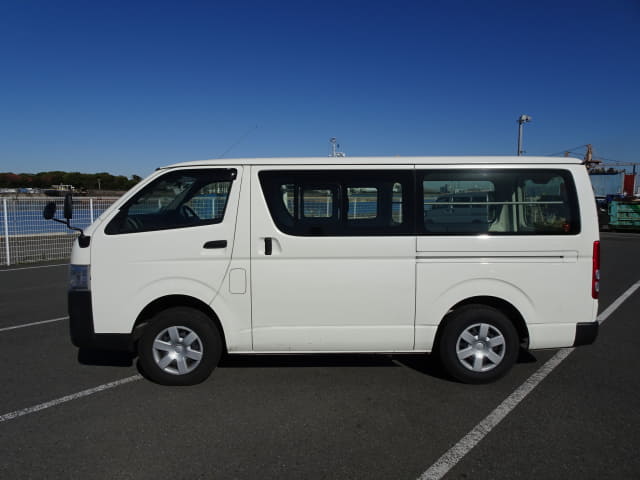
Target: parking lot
[{"x": 338, "y": 416}]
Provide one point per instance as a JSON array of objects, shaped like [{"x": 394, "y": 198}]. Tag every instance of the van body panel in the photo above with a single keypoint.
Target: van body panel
[
  {"x": 80, "y": 256},
  {"x": 425, "y": 336},
  {"x": 130, "y": 270},
  {"x": 321, "y": 293},
  {"x": 452, "y": 288},
  {"x": 234, "y": 313},
  {"x": 232, "y": 305},
  {"x": 551, "y": 335},
  {"x": 534, "y": 295}
]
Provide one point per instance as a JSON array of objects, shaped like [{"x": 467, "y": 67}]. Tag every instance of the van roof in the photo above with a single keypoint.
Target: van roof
[{"x": 341, "y": 161}]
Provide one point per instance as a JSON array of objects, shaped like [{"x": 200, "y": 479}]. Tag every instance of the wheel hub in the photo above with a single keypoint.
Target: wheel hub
[
  {"x": 177, "y": 350},
  {"x": 480, "y": 347}
]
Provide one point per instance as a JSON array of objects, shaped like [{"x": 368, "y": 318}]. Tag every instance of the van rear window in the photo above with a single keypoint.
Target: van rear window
[{"x": 515, "y": 202}]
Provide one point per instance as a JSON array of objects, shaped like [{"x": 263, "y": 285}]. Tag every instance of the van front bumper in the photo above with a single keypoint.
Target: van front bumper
[
  {"x": 81, "y": 326},
  {"x": 586, "y": 333}
]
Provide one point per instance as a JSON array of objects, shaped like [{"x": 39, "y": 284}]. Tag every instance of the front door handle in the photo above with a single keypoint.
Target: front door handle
[
  {"x": 215, "y": 244},
  {"x": 268, "y": 246}
]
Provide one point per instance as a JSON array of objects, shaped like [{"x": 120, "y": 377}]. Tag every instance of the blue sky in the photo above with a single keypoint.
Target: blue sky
[{"x": 127, "y": 86}]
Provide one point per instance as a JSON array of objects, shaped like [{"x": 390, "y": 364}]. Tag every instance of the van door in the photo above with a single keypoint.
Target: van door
[
  {"x": 173, "y": 237},
  {"x": 332, "y": 259}
]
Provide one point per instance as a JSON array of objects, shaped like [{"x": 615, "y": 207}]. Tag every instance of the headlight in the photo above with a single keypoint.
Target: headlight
[{"x": 79, "y": 277}]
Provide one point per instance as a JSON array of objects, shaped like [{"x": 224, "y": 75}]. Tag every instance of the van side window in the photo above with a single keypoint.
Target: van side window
[
  {"x": 487, "y": 201},
  {"x": 340, "y": 202},
  {"x": 178, "y": 199},
  {"x": 318, "y": 202},
  {"x": 366, "y": 198}
]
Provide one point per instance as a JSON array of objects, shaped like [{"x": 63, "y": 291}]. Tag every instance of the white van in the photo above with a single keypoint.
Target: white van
[{"x": 311, "y": 255}]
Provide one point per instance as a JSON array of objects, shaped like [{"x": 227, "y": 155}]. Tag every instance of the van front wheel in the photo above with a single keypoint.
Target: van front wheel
[
  {"x": 478, "y": 344},
  {"x": 179, "y": 346}
]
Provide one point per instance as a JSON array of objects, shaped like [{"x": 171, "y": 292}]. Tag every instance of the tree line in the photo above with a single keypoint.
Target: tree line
[{"x": 85, "y": 181}]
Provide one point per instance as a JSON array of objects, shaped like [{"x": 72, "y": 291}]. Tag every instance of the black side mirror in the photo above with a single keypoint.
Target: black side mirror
[
  {"x": 68, "y": 206},
  {"x": 49, "y": 210}
]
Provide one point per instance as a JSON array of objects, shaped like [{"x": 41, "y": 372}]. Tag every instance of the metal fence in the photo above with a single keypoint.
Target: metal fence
[{"x": 26, "y": 237}]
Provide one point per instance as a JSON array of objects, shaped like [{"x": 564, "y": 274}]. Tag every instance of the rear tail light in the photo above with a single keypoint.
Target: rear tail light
[{"x": 595, "y": 274}]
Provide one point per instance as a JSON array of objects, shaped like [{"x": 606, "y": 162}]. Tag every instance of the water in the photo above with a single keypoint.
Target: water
[{"x": 24, "y": 216}]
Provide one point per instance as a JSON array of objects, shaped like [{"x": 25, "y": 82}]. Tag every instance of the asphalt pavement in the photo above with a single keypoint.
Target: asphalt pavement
[{"x": 333, "y": 417}]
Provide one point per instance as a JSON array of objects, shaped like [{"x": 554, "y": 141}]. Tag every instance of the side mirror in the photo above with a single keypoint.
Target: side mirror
[
  {"x": 68, "y": 206},
  {"x": 49, "y": 210}
]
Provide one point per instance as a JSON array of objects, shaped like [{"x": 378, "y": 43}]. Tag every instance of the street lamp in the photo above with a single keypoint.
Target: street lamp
[{"x": 521, "y": 121}]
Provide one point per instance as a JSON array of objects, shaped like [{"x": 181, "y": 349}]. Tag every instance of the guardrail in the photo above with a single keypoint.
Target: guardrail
[{"x": 26, "y": 237}]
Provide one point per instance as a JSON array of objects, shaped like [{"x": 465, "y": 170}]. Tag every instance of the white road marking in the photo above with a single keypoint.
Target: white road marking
[
  {"x": 4, "y": 329},
  {"x": 68, "y": 398},
  {"x": 31, "y": 268},
  {"x": 617, "y": 302},
  {"x": 456, "y": 453}
]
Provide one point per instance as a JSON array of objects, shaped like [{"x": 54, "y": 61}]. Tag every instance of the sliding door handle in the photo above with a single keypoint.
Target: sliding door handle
[
  {"x": 268, "y": 246},
  {"x": 215, "y": 244}
]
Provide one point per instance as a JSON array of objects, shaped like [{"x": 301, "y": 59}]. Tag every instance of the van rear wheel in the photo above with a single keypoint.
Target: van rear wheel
[
  {"x": 478, "y": 344},
  {"x": 179, "y": 346}
]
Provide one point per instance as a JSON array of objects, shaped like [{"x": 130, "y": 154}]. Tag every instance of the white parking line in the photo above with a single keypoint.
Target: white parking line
[
  {"x": 68, "y": 398},
  {"x": 456, "y": 453},
  {"x": 32, "y": 268},
  {"x": 4, "y": 329},
  {"x": 618, "y": 301}
]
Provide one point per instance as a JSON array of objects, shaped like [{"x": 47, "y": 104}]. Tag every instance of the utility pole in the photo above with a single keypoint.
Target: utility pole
[
  {"x": 521, "y": 121},
  {"x": 588, "y": 158}
]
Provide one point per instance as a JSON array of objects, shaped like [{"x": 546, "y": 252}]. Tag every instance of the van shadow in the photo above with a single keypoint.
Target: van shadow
[
  {"x": 427, "y": 364},
  {"x": 105, "y": 358},
  {"x": 306, "y": 360}
]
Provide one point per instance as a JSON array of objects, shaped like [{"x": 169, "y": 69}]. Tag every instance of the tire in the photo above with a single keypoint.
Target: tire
[
  {"x": 478, "y": 344},
  {"x": 179, "y": 346}
]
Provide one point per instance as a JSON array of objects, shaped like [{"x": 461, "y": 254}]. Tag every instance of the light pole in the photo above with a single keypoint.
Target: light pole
[
  {"x": 521, "y": 121},
  {"x": 334, "y": 148}
]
